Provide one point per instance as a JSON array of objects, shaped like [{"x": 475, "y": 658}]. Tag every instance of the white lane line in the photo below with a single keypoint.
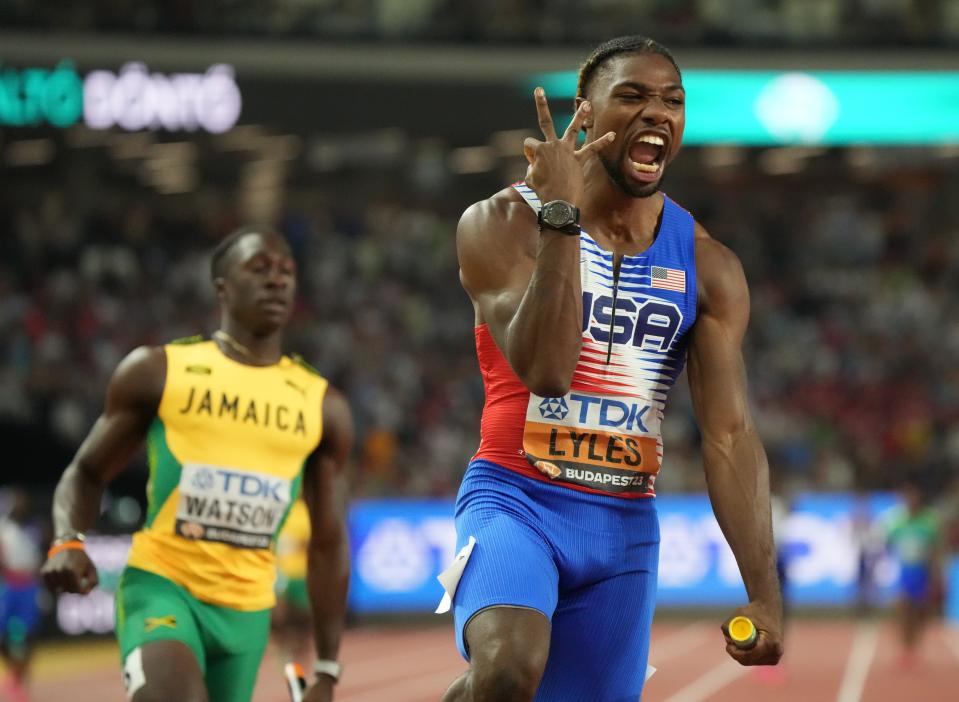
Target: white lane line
[
  {"x": 679, "y": 642},
  {"x": 710, "y": 682},
  {"x": 864, "y": 647}
]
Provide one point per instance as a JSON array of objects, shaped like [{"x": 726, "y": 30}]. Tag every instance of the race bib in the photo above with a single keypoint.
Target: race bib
[
  {"x": 230, "y": 506},
  {"x": 601, "y": 442}
]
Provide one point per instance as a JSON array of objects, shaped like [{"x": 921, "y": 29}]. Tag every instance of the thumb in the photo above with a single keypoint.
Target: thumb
[{"x": 529, "y": 148}]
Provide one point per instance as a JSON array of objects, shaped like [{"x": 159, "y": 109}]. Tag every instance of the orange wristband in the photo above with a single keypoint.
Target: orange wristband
[{"x": 73, "y": 545}]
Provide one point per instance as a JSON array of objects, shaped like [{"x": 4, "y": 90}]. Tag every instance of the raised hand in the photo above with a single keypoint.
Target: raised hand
[{"x": 555, "y": 165}]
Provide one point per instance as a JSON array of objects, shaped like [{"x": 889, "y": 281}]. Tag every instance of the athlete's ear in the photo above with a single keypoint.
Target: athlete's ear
[
  {"x": 219, "y": 284},
  {"x": 588, "y": 123}
]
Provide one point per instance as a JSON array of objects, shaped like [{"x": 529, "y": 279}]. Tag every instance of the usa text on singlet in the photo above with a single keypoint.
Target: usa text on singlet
[{"x": 604, "y": 435}]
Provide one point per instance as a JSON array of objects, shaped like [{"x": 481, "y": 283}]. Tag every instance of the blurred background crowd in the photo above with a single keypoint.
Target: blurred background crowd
[
  {"x": 678, "y": 22},
  {"x": 852, "y": 261}
]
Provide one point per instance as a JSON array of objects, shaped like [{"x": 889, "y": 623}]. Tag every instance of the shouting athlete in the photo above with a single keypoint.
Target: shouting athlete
[
  {"x": 235, "y": 430},
  {"x": 591, "y": 288}
]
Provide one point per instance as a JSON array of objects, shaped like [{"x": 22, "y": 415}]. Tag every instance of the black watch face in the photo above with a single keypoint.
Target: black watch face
[{"x": 558, "y": 214}]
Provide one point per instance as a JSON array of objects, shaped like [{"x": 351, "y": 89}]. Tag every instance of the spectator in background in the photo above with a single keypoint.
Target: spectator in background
[
  {"x": 20, "y": 560},
  {"x": 915, "y": 537}
]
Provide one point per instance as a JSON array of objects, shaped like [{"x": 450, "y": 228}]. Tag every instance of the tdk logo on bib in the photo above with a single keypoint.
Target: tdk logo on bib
[
  {"x": 554, "y": 408},
  {"x": 607, "y": 412},
  {"x": 598, "y": 412},
  {"x": 241, "y": 484}
]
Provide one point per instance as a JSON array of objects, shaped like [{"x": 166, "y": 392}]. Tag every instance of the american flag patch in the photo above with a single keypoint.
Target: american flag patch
[{"x": 667, "y": 278}]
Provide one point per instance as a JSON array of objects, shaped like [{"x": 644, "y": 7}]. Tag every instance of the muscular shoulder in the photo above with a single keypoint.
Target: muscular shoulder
[
  {"x": 137, "y": 382},
  {"x": 502, "y": 219},
  {"x": 719, "y": 273},
  {"x": 494, "y": 236},
  {"x": 337, "y": 424}
]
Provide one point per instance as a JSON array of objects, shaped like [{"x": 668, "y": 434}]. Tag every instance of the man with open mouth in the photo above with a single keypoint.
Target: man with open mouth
[{"x": 591, "y": 289}]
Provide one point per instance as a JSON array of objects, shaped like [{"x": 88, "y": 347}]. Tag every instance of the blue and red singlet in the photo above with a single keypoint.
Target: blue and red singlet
[
  {"x": 547, "y": 516},
  {"x": 604, "y": 435}
]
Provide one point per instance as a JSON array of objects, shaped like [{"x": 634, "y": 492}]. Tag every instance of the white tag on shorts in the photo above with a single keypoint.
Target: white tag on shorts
[
  {"x": 133, "y": 675},
  {"x": 450, "y": 577},
  {"x": 649, "y": 672}
]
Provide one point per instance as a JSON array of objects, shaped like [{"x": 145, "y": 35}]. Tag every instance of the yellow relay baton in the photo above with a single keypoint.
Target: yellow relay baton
[{"x": 743, "y": 632}]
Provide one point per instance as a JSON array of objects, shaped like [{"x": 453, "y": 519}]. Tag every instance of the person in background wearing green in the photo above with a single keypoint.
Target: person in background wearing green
[{"x": 914, "y": 534}]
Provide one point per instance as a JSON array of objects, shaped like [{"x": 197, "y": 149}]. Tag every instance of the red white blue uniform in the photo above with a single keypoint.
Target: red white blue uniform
[{"x": 557, "y": 498}]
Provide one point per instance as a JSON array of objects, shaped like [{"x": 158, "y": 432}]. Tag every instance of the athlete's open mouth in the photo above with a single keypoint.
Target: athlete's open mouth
[{"x": 646, "y": 155}]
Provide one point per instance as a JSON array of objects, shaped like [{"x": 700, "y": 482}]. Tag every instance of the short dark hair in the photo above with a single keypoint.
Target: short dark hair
[
  {"x": 218, "y": 257},
  {"x": 634, "y": 44}
]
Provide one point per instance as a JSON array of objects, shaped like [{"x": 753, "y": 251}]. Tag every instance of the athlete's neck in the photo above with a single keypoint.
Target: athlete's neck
[
  {"x": 623, "y": 219},
  {"x": 244, "y": 346}
]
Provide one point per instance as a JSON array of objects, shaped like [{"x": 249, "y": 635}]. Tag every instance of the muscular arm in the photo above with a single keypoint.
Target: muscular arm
[
  {"x": 325, "y": 490},
  {"x": 133, "y": 397},
  {"x": 526, "y": 288},
  {"x": 737, "y": 473}
]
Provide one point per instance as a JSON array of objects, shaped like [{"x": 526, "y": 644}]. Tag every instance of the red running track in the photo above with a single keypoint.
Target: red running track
[{"x": 826, "y": 661}]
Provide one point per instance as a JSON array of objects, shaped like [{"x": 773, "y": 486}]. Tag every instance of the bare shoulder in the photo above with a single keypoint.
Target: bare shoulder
[
  {"x": 336, "y": 408},
  {"x": 495, "y": 238},
  {"x": 337, "y": 423},
  {"x": 138, "y": 381},
  {"x": 495, "y": 220},
  {"x": 719, "y": 273}
]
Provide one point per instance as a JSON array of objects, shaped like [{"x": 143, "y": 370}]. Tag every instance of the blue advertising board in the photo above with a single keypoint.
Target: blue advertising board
[
  {"x": 398, "y": 549},
  {"x": 400, "y": 546}
]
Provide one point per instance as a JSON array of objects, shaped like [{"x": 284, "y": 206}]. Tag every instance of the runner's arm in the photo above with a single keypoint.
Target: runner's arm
[
  {"x": 526, "y": 287},
  {"x": 737, "y": 472},
  {"x": 133, "y": 397},
  {"x": 325, "y": 490}
]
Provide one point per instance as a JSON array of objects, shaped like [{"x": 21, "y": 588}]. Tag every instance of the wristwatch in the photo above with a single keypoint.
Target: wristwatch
[
  {"x": 561, "y": 216},
  {"x": 328, "y": 667}
]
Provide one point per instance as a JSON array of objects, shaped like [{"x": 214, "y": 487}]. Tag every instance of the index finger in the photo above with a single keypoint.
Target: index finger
[{"x": 543, "y": 116}]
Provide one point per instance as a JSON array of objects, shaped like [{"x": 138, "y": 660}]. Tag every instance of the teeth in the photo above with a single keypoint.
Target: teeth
[
  {"x": 646, "y": 167},
  {"x": 652, "y": 139}
]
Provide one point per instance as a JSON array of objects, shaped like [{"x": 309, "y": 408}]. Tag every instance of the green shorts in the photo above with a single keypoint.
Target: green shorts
[{"x": 228, "y": 643}]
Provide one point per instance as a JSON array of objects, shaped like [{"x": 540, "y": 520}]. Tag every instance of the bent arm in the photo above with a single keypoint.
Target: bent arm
[
  {"x": 325, "y": 490},
  {"x": 737, "y": 473},
  {"x": 526, "y": 288},
  {"x": 133, "y": 397}
]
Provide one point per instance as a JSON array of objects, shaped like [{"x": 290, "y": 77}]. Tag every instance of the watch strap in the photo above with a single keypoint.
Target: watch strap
[{"x": 324, "y": 666}]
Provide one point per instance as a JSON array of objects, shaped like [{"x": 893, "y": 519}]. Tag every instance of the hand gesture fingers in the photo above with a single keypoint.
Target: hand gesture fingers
[
  {"x": 575, "y": 124},
  {"x": 543, "y": 116},
  {"x": 596, "y": 144},
  {"x": 529, "y": 148},
  {"x": 555, "y": 166}
]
